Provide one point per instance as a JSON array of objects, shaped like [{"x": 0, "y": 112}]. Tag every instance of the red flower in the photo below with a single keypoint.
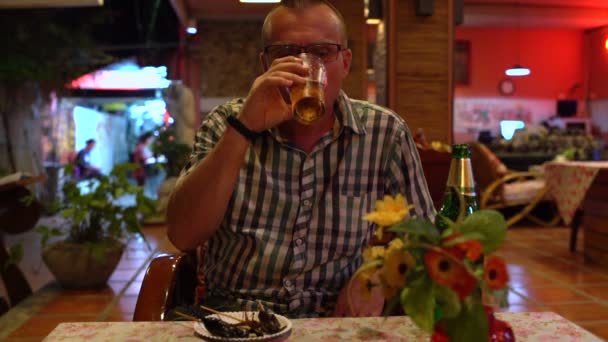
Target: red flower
[
  {"x": 495, "y": 273},
  {"x": 446, "y": 271},
  {"x": 471, "y": 248}
]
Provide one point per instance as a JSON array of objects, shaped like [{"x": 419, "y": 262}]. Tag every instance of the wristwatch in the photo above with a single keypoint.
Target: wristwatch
[{"x": 242, "y": 129}]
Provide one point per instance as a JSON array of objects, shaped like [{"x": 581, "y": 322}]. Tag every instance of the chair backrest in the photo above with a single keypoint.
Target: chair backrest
[
  {"x": 436, "y": 166},
  {"x": 170, "y": 281},
  {"x": 487, "y": 167}
]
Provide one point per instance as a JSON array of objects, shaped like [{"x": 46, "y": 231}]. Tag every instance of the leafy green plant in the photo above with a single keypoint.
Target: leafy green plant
[
  {"x": 103, "y": 213},
  {"x": 176, "y": 153}
]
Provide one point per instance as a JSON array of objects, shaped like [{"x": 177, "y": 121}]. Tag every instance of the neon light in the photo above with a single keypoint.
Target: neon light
[{"x": 125, "y": 76}]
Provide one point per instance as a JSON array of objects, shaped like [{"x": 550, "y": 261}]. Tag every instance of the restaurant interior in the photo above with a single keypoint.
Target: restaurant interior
[{"x": 523, "y": 82}]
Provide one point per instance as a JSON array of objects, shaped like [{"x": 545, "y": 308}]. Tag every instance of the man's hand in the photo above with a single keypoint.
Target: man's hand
[
  {"x": 362, "y": 305},
  {"x": 264, "y": 107}
]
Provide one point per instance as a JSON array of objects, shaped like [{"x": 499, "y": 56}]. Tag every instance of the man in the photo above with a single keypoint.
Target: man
[
  {"x": 83, "y": 165},
  {"x": 281, "y": 212}
]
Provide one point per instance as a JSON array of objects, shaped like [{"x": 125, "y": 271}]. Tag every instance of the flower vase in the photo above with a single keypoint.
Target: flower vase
[{"x": 499, "y": 331}]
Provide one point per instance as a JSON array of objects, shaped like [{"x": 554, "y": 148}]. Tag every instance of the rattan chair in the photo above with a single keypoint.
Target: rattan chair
[{"x": 500, "y": 188}]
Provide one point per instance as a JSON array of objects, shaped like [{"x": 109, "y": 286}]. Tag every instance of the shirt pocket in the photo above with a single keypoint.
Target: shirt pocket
[{"x": 353, "y": 233}]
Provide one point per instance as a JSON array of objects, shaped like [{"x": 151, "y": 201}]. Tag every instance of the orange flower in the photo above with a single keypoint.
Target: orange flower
[
  {"x": 471, "y": 249},
  {"x": 447, "y": 272},
  {"x": 495, "y": 273}
]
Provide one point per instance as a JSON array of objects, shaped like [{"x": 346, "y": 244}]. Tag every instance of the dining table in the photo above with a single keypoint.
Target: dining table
[
  {"x": 568, "y": 184},
  {"x": 527, "y": 326}
]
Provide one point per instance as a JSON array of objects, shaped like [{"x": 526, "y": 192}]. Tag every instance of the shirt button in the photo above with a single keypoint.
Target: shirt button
[
  {"x": 287, "y": 283},
  {"x": 299, "y": 242},
  {"x": 307, "y": 203}
]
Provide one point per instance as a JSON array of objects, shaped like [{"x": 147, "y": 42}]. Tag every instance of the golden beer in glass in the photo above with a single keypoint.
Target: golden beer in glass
[{"x": 308, "y": 99}]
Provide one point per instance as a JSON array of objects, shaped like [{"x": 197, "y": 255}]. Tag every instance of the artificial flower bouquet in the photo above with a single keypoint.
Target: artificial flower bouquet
[{"x": 447, "y": 282}]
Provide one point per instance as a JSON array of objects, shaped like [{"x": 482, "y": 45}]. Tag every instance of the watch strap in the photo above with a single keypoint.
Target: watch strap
[{"x": 241, "y": 128}]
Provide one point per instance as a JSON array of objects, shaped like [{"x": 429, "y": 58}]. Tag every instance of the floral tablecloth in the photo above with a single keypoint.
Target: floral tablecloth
[
  {"x": 568, "y": 183},
  {"x": 533, "y": 326}
]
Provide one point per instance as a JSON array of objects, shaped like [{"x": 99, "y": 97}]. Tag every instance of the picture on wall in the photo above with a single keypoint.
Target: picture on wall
[{"x": 462, "y": 62}]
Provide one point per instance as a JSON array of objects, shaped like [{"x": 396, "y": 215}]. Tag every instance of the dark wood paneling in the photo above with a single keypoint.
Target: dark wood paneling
[{"x": 420, "y": 64}]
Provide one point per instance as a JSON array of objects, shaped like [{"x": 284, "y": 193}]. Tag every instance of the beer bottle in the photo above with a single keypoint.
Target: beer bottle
[{"x": 460, "y": 180}]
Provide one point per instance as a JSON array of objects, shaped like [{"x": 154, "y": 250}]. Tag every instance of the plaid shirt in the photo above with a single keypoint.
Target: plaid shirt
[{"x": 293, "y": 232}]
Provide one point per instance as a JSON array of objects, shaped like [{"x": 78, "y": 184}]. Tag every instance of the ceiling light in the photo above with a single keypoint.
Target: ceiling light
[
  {"x": 374, "y": 12},
  {"x": 517, "y": 70},
  {"x": 259, "y": 1},
  {"x": 191, "y": 29}
]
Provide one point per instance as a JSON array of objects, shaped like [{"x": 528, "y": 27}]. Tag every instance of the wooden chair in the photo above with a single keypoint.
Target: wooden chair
[
  {"x": 501, "y": 188},
  {"x": 436, "y": 166},
  {"x": 170, "y": 281}
]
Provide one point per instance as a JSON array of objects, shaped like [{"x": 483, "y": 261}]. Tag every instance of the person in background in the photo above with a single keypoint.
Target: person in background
[
  {"x": 83, "y": 165},
  {"x": 278, "y": 204},
  {"x": 141, "y": 156}
]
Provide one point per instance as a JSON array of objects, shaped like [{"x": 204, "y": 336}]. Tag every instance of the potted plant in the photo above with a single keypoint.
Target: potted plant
[
  {"x": 176, "y": 154},
  {"x": 99, "y": 214}
]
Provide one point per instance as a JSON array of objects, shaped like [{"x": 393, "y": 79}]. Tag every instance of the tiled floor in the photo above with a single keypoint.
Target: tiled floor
[{"x": 544, "y": 277}]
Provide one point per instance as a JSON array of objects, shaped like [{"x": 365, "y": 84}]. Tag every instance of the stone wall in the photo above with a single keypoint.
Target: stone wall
[{"x": 229, "y": 57}]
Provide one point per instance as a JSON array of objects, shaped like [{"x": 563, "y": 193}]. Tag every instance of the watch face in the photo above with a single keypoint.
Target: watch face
[{"x": 506, "y": 87}]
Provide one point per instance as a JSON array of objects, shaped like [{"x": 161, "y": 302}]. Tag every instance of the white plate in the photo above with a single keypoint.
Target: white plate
[{"x": 201, "y": 331}]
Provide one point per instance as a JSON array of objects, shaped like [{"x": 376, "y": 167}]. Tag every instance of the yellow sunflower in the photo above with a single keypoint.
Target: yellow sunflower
[
  {"x": 389, "y": 211},
  {"x": 396, "y": 265},
  {"x": 373, "y": 253}
]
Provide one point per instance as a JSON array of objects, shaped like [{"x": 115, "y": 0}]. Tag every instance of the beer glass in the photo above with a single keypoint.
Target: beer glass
[{"x": 308, "y": 100}]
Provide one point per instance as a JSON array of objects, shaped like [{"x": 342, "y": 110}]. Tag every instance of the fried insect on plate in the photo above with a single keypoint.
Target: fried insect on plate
[
  {"x": 268, "y": 321},
  {"x": 220, "y": 328}
]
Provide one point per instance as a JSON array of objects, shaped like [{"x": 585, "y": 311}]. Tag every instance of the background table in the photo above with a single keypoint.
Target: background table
[
  {"x": 569, "y": 183},
  {"x": 534, "y": 326}
]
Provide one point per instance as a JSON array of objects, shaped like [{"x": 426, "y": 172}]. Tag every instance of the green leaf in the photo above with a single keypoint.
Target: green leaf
[
  {"x": 28, "y": 199},
  {"x": 119, "y": 192},
  {"x": 464, "y": 238},
  {"x": 417, "y": 226},
  {"x": 15, "y": 255},
  {"x": 471, "y": 325},
  {"x": 68, "y": 213},
  {"x": 449, "y": 231},
  {"x": 448, "y": 301},
  {"x": 98, "y": 204},
  {"x": 420, "y": 304},
  {"x": 489, "y": 223}
]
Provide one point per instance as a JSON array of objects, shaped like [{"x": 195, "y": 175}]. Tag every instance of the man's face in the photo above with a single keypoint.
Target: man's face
[
  {"x": 313, "y": 25},
  {"x": 90, "y": 146}
]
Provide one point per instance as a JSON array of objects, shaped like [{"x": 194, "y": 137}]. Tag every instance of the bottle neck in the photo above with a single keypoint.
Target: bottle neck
[{"x": 461, "y": 177}]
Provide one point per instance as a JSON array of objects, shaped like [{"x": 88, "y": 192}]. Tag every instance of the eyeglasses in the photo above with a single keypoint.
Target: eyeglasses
[{"x": 328, "y": 52}]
